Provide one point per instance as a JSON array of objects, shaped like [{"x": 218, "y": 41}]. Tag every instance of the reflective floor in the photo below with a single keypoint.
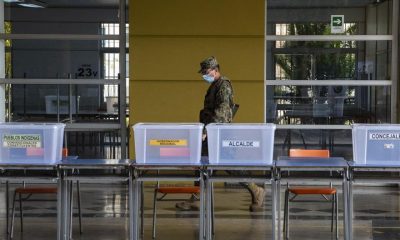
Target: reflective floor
[{"x": 105, "y": 216}]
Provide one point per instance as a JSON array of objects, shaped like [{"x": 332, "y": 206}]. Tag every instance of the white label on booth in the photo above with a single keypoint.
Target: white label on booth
[
  {"x": 22, "y": 141},
  {"x": 240, "y": 143},
  {"x": 384, "y": 136},
  {"x": 388, "y": 146}
]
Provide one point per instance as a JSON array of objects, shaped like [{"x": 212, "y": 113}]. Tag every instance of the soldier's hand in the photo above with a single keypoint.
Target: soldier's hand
[{"x": 204, "y": 136}]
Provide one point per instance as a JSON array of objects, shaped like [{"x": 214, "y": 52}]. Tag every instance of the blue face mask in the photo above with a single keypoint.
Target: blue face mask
[{"x": 208, "y": 78}]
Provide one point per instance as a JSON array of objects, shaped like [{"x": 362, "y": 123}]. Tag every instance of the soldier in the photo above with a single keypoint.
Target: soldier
[
  {"x": 220, "y": 108},
  {"x": 218, "y": 102}
]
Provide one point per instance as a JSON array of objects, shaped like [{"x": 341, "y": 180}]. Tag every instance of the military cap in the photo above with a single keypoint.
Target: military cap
[{"x": 210, "y": 62}]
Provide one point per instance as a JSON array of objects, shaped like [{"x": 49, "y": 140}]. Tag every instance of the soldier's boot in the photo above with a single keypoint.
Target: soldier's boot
[
  {"x": 190, "y": 205},
  {"x": 257, "y": 195}
]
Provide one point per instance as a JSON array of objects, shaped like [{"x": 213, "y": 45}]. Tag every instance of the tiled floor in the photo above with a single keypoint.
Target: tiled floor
[{"x": 105, "y": 216}]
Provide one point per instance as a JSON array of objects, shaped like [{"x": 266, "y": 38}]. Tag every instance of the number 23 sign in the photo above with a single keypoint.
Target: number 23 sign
[{"x": 86, "y": 71}]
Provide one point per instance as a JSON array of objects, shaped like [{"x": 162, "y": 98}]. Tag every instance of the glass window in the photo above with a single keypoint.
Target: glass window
[
  {"x": 329, "y": 60},
  {"x": 314, "y": 17},
  {"x": 61, "y": 46},
  {"x": 295, "y": 51},
  {"x": 338, "y": 141},
  {"x": 329, "y": 105},
  {"x": 112, "y": 29},
  {"x": 110, "y": 59},
  {"x": 54, "y": 56}
]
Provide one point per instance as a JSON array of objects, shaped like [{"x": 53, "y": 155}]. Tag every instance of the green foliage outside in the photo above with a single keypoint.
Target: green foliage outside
[
  {"x": 330, "y": 61},
  {"x": 7, "y": 29}
]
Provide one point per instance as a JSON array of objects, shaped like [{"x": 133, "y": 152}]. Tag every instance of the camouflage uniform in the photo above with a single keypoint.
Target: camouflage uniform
[
  {"x": 218, "y": 102},
  {"x": 218, "y": 108}
]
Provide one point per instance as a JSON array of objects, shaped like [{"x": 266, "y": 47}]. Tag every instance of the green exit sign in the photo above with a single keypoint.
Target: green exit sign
[{"x": 337, "y": 23}]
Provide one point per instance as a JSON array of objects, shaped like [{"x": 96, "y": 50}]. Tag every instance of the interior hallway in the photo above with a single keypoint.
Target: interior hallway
[{"x": 105, "y": 216}]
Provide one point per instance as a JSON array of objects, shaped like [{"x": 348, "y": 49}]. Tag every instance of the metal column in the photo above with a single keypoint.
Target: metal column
[{"x": 122, "y": 76}]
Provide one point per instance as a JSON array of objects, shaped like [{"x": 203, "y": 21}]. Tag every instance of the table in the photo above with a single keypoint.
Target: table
[
  {"x": 383, "y": 169},
  {"x": 143, "y": 172},
  {"x": 73, "y": 170},
  {"x": 323, "y": 165},
  {"x": 211, "y": 177},
  {"x": 19, "y": 171}
]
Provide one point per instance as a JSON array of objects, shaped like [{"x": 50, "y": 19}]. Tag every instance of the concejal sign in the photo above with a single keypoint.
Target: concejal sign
[{"x": 381, "y": 136}]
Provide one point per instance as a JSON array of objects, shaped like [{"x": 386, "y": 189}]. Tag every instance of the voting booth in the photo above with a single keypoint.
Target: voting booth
[
  {"x": 168, "y": 143},
  {"x": 31, "y": 142},
  {"x": 376, "y": 144},
  {"x": 240, "y": 143}
]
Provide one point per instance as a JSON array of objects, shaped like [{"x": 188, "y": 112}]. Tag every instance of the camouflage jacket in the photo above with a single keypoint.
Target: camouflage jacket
[{"x": 218, "y": 102}]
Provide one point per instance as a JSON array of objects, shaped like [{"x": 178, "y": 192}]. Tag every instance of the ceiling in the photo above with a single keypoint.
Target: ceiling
[
  {"x": 271, "y": 3},
  {"x": 319, "y": 3},
  {"x": 81, "y": 3},
  {"x": 77, "y": 3}
]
